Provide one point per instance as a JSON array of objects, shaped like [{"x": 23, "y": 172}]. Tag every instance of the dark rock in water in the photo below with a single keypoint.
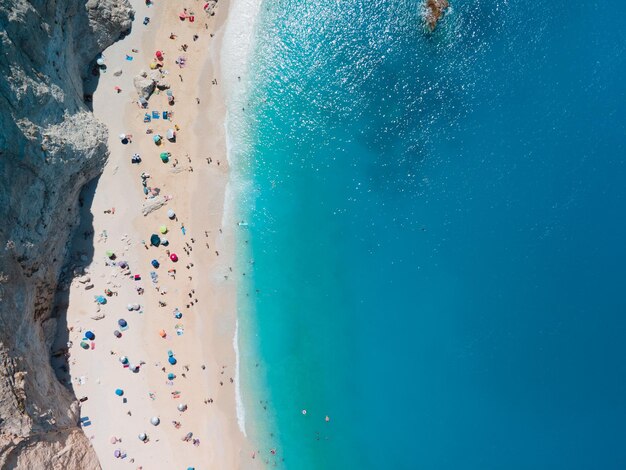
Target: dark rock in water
[{"x": 434, "y": 10}]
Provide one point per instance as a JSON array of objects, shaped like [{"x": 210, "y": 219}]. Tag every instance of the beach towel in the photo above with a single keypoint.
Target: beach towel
[
  {"x": 164, "y": 114},
  {"x": 155, "y": 115}
]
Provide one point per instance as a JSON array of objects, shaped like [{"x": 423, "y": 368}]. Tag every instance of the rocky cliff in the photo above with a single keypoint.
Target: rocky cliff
[{"x": 50, "y": 146}]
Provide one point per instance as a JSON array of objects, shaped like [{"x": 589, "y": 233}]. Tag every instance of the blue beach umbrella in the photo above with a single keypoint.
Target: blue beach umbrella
[
  {"x": 119, "y": 392},
  {"x": 90, "y": 335},
  {"x": 170, "y": 376},
  {"x": 172, "y": 360},
  {"x": 155, "y": 263},
  {"x": 155, "y": 240}
]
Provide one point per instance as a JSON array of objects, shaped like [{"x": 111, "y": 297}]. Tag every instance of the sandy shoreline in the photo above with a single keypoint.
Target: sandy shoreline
[{"x": 203, "y": 287}]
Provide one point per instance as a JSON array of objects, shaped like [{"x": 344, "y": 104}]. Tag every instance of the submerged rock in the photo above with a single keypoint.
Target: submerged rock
[{"x": 433, "y": 11}]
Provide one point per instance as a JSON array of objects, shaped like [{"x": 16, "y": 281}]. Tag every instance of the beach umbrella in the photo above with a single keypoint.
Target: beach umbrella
[
  {"x": 174, "y": 257},
  {"x": 113, "y": 440},
  {"x": 101, "y": 299},
  {"x": 119, "y": 392},
  {"x": 117, "y": 334},
  {"x": 162, "y": 333},
  {"x": 84, "y": 345},
  {"x": 155, "y": 239},
  {"x": 171, "y": 376},
  {"x": 110, "y": 254},
  {"x": 134, "y": 368},
  {"x": 181, "y": 407},
  {"x": 122, "y": 322},
  {"x": 90, "y": 335},
  {"x": 142, "y": 437},
  {"x": 129, "y": 307},
  {"x": 117, "y": 452},
  {"x": 153, "y": 65},
  {"x": 122, "y": 136},
  {"x": 171, "y": 360},
  {"x": 171, "y": 214},
  {"x": 155, "y": 421},
  {"x": 170, "y": 134},
  {"x": 100, "y": 61},
  {"x": 163, "y": 229},
  {"x": 178, "y": 315},
  {"x": 124, "y": 360},
  {"x": 155, "y": 263},
  {"x": 136, "y": 306},
  {"x": 165, "y": 157},
  {"x": 157, "y": 139},
  {"x": 165, "y": 241}
]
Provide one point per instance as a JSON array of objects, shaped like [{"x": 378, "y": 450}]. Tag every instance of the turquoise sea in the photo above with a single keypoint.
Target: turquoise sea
[{"x": 435, "y": 235}]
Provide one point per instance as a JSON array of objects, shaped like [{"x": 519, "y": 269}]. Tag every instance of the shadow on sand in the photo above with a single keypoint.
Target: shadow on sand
[{"x": 80, "y": 254}]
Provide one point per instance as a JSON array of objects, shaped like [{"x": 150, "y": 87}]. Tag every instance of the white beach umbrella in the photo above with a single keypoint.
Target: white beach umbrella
[{"x": 155, "y": 421}]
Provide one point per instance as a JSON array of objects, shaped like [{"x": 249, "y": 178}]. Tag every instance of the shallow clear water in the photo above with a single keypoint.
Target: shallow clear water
[{"x": 437, "y": 228}]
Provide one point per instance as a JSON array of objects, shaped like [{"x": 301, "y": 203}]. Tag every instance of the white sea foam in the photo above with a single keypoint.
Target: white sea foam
[
  {"x": 237, "y": 46},
  {"x": 241, "y": 411}
]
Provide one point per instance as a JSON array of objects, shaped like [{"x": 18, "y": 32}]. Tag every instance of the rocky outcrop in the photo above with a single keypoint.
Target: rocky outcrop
[
  {"x": 433, "y": 11},
  {"x": 50, "y": 146},
  {"x": 145, "y": 83}
]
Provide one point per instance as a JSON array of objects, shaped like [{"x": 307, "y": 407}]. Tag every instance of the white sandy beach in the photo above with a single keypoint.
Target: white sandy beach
[{"x": 203, "y": 287}]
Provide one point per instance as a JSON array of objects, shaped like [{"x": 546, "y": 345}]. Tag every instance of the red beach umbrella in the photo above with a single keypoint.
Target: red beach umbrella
[{"x": 173, "y": 257}]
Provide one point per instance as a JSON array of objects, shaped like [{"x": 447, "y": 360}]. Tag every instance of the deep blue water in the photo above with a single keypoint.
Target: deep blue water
[{"x": 438, "y": 231}]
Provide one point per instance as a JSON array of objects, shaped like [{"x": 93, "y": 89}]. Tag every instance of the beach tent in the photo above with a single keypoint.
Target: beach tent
[
  {"x": 163, "y": 229},
  {"x": 155, "y": 240},
  {"x": 174, "y": 257},
  {"x": 155, "y": 263},
  {"x": 119, "y": 392},
  {"x": 90, "y": 335}
]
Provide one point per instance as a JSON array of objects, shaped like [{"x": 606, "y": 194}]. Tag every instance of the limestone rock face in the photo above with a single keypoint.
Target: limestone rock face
[{"x": 50, "y": 146}]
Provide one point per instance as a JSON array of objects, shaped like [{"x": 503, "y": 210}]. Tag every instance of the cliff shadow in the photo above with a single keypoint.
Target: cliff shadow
[
  {"x": 79, "y": 255},
  {"x": 90, "y": 83}
]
